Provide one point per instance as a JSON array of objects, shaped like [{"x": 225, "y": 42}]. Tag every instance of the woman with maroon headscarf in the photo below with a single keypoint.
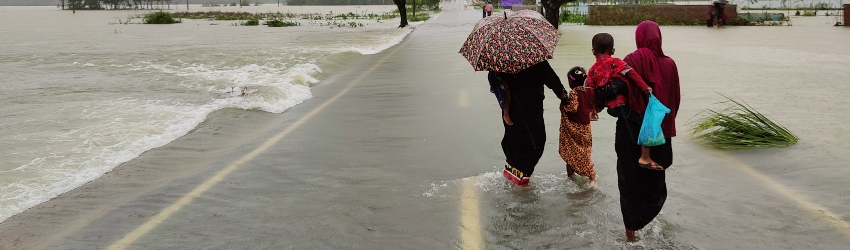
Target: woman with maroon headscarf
[{"x": 643, "y": 191}]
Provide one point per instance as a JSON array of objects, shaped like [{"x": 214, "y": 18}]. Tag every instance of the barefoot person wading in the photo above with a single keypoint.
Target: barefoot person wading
[{"x": 643, "y": 191}]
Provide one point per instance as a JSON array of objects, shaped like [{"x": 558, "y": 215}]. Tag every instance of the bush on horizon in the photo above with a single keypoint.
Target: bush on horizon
[
  {"x": 222, "y": 15},
  {"x": 567, "y": 16},
  {"x": 346, "y": 2},
  {"x": 160, "y": 17}
]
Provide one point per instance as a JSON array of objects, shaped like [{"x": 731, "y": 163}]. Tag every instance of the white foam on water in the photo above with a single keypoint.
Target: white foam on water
[
  {"x": 97, "y": 148},
  {"x": 391, "y": 40},
  {"x": 495, "y": 182},
  {"x": 105, "y": 133}
]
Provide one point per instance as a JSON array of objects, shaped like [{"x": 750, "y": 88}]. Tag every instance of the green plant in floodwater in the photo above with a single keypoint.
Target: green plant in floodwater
[
  {"x": 418, "y": 17},
  {"x": 572, "y": 16},
  {"x": 160, "y": 17},
  {"x": 251, "y": 22},
  {"x": 281, "y": 23},
  {"x": 739, "y": 126}
]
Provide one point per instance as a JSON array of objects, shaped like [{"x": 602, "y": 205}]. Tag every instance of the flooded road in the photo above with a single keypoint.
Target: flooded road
[{"x": 402, "y": 151}]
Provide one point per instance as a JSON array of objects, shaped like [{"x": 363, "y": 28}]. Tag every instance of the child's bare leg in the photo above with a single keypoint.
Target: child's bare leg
[
  {"x": 570, "y": 171},
  {"x": 646, "y": 160}
]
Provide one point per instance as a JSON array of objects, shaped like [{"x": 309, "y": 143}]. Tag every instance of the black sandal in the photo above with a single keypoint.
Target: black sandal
[{"x": 649, "y": 166}]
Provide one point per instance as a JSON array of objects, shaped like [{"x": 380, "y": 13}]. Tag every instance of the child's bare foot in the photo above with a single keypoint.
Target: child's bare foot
[{"x": 630, "y": 235}]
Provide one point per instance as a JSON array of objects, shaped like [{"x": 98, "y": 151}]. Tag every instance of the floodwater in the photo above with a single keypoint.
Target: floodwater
[
  {"x": 775, "y": 198},
  {"x": 85, "y": 92},
  {"x": 409, "y": 158}
]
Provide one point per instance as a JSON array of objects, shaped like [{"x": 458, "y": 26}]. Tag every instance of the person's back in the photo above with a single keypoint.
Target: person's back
[
  {"x": 523, "y": 141},
  {"x": 669, "y": 94}
]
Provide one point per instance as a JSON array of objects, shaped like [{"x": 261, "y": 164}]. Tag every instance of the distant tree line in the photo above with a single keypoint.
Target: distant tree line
[
  {"x": 114, "y": 4},
  {"x": 339, "y": 2}
]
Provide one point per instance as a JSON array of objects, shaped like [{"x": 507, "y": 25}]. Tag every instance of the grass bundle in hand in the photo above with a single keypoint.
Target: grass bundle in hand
[{"x": 740, "y": 126}]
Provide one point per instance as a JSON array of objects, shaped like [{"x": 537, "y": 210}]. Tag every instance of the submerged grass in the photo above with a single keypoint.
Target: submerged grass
[{"x": 740, "y": 126}]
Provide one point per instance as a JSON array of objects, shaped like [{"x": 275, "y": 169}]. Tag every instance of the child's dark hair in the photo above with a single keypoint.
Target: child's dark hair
[
  {"x": 576, "y": 76},
  {"x": 603, "y": 43}
]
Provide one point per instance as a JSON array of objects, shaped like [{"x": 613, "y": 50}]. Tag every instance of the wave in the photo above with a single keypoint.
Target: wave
[{"x": 176, "y": 96}]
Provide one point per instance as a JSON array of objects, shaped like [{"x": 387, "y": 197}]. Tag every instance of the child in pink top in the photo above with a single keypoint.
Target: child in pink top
[
  {"x": 605, "y": 70},
  {"x": 488, "y": 9}
]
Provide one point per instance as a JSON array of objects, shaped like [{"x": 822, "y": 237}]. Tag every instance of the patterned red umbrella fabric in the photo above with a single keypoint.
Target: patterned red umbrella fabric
[{"x": 510, "y": 42}]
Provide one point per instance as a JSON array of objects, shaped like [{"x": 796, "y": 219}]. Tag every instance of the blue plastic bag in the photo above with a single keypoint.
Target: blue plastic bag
[{"x": 650, "y": 130}]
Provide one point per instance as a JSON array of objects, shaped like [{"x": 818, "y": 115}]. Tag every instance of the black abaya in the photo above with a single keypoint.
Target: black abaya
[
  {"x": 642, "y": 191},
  {"x": 523, "y": 141}
]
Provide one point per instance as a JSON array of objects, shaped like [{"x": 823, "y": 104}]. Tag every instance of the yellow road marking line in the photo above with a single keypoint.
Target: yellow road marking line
[
  {"x": 463, "y": 98},
  {"x": 470, "y": 228},
  {"x": 816, "y": 210},
  {"x": 149, "y": 225}
]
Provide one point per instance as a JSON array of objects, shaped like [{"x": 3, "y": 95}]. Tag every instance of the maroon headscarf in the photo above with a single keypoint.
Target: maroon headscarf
[{"x": 658, "y": 70}]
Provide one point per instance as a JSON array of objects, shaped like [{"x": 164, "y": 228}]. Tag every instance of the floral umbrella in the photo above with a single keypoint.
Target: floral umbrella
[{"x": 510, "y": 42}]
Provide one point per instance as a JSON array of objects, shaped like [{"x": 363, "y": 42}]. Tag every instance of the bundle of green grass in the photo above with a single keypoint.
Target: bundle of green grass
[{"x": 740, "y": 126}]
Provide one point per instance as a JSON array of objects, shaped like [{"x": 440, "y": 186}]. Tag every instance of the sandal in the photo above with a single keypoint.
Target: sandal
[{"x": 651, "y": 166}]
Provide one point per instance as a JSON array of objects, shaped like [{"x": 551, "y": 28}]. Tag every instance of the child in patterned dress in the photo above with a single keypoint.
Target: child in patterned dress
[{"x": 575, "y": 141}]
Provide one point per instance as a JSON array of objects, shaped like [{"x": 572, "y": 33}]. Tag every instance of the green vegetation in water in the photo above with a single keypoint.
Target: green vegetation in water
[
  {"x": 420, "y": 16},
  {"x": 740, "y": 126},
  {"x": 738, "y": 21},
  {"x": 281, "y": 23},
  {"x": 330, "y": 19},
  {"x": 160, "y": 18},
  {"x": 251, "y": 22},
  {"x": 572, "y": 15},
  {"x": 220, "y": 15}
]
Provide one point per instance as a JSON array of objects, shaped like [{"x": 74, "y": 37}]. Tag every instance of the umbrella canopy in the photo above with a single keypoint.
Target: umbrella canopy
[{"x": 510, "y": 42}]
